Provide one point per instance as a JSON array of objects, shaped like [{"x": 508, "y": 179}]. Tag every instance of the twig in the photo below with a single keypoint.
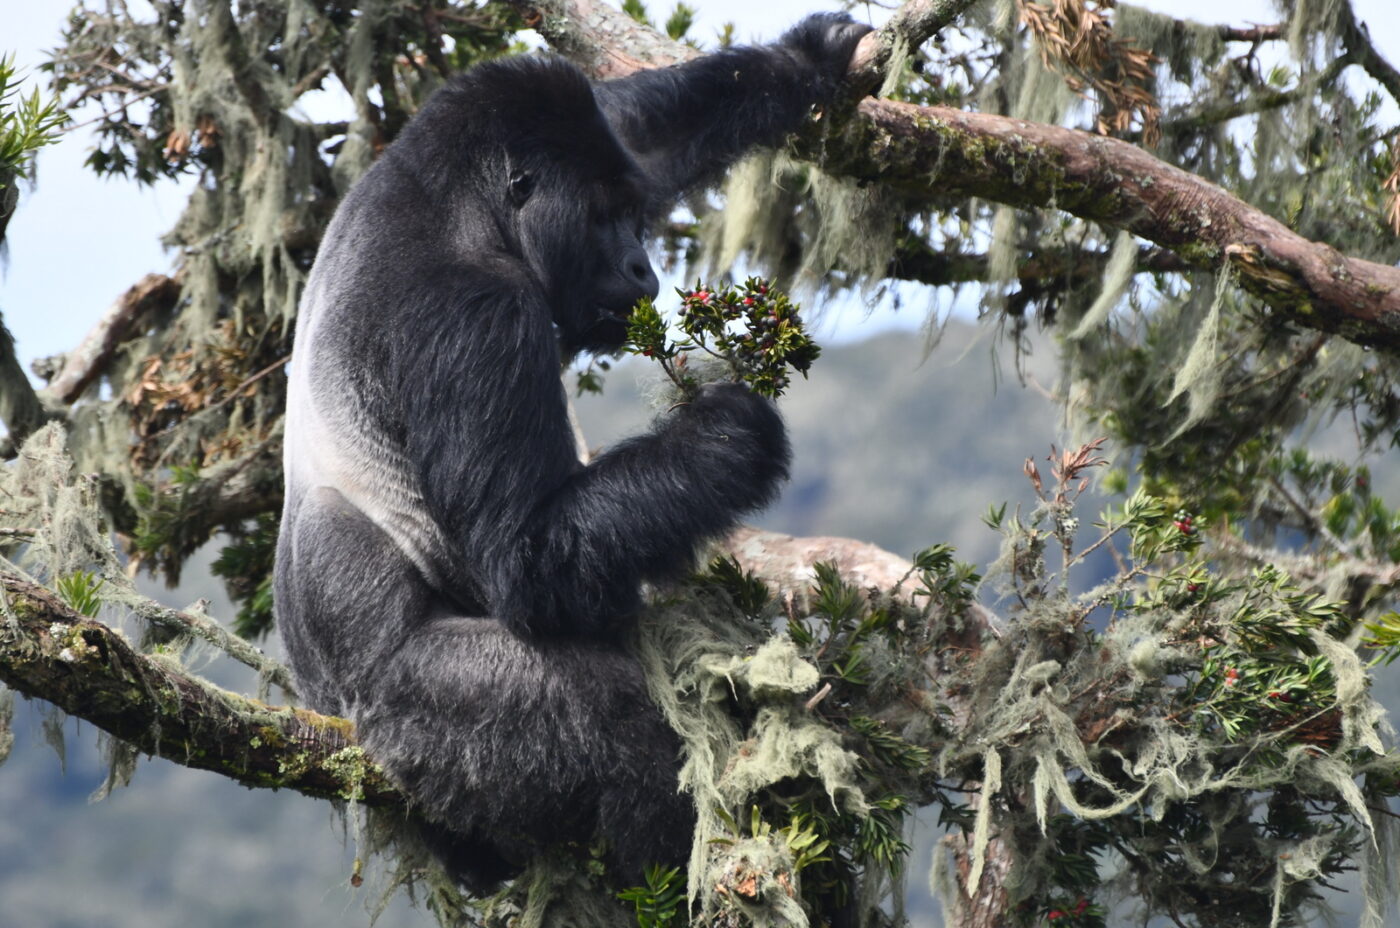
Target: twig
[
  {"x": 108, "y": 114},
  {"x": 1311, "y": 520},
  {"x": 207, "y": 629},
  {"x": 228, "y": 398}
]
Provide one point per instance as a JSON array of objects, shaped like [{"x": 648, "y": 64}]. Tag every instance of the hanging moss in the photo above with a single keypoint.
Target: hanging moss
[{"x": 204, "y": 388}]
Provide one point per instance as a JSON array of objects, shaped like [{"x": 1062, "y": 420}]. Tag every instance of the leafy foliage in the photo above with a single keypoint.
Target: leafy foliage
[
  {"x": 660, "y": 903},
  {"x": 81, "y": 590},
  {"x": 245, "y": 566},
  {"x": 753, "y": 331},
  {"x": 27, "y": 123}
]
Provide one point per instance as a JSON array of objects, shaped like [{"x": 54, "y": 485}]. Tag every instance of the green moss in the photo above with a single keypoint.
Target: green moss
[
  {"x": 343, "y": 728},
  {"x": 352, "y": 767}
]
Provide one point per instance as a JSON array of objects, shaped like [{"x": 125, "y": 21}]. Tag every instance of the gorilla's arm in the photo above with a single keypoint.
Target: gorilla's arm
[
  {"x": 640, "y": 510},
  {"x": 557, "y": 547},
  {"x": 686, "y": 124}
]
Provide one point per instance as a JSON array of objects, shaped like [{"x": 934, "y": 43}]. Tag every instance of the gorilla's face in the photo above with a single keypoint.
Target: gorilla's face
[
  {"x": 580, "y": 223},
  {"x": 623, "y": 275}
]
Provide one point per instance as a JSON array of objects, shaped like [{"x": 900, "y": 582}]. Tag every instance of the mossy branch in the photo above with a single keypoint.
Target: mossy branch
[
  {"x": 49, "y": 651},
  {"x": 90, "y": 671},
  {"x": 928, "y": 151},
  {"x": 608, "y": 43},
  {"x": 932, "y": 152}
]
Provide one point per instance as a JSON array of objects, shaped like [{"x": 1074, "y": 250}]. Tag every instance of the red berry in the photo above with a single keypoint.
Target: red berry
[
  {"x": 1083, "y": 904},
  {"x": 748, "y": 301},
  {"x": 1193, "y": 587},
  {"x": 1054, "y": 914}
]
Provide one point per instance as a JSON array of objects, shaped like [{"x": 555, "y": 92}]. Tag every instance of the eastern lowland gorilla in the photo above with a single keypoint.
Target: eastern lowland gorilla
[{"x": 449, "y": 575}]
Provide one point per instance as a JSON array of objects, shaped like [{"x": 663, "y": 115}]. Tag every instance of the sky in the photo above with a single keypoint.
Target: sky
[{"x": 78, "y": 241}]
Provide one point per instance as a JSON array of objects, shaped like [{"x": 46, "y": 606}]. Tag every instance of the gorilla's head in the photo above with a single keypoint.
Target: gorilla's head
[{"x": 567, "y": 197}]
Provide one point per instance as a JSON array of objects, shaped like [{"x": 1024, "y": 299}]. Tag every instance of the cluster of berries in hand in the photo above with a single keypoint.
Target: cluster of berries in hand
[{"x": 753, "y": 329}]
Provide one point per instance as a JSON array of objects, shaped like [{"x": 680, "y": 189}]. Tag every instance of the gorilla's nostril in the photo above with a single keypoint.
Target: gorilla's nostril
[{"x": 646, "y": 278}]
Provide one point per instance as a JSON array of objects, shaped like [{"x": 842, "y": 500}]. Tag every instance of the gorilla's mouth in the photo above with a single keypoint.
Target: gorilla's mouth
[{"x": 607, "y": 332}]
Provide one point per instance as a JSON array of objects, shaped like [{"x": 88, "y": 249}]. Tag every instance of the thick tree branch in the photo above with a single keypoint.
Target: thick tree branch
[
  {"x": 937, "y": 151},
  {"x": 1269, "y": 33},
  {"x": 599, "y": 38},
  {"x": 912, "y": 24},
  {"x": 50, "y": 652},
  {"x": 90, "y": 671},
  {"x": 785, "y": 562},
  {"x": 608, "y": 43},
  {"x": 927, "y": 151}
]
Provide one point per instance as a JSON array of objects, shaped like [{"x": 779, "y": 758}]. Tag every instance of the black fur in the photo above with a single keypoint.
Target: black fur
[{"x": 449, "y": 575}]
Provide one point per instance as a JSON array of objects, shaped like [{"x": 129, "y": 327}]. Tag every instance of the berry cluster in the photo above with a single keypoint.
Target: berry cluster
[{"x": 754, "y": 330}]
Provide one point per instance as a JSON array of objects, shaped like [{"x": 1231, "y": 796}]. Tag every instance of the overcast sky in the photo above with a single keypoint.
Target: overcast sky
[{"x": 77, "y": 241}]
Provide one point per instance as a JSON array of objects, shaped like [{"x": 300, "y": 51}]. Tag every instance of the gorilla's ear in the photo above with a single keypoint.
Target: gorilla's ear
[{"x": 520, "y": 187}]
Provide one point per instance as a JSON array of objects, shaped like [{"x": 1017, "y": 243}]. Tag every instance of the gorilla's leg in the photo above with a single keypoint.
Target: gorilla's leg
[
  {"x": 505, "y": 742},
  {"x": 531, "y": 742}
]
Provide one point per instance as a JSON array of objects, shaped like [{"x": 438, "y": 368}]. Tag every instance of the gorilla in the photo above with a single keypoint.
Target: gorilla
[{"x": 449, "y": 575}]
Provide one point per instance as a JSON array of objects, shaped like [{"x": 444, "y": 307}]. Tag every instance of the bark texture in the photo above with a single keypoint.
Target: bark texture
[{"x": 92, "y": 672}]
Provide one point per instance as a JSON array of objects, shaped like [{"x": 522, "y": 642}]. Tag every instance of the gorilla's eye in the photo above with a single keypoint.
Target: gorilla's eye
[{"x": 521, "y": 186}]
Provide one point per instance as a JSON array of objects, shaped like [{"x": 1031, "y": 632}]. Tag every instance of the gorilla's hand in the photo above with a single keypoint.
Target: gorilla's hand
[
  {"x": 746, "y": 430},
  {"x": 828, "y": 40}
]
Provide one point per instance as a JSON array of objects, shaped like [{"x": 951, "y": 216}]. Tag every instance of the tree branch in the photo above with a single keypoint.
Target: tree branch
[
  {"x": 203, "y": 627},
  {"x": 928, "y": 151},
  {"x": 601, "y": 39},
  {"x": 914, "y": 23},
  {"x": 1254, "y": 33},
  {"x": 1356, "y": 39},
  {"x": 936, "y": 151},
  {"x": 90, "y": 671},
  {"x": 151, "y": 294},
  {"x": 607, "y": 43}
]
